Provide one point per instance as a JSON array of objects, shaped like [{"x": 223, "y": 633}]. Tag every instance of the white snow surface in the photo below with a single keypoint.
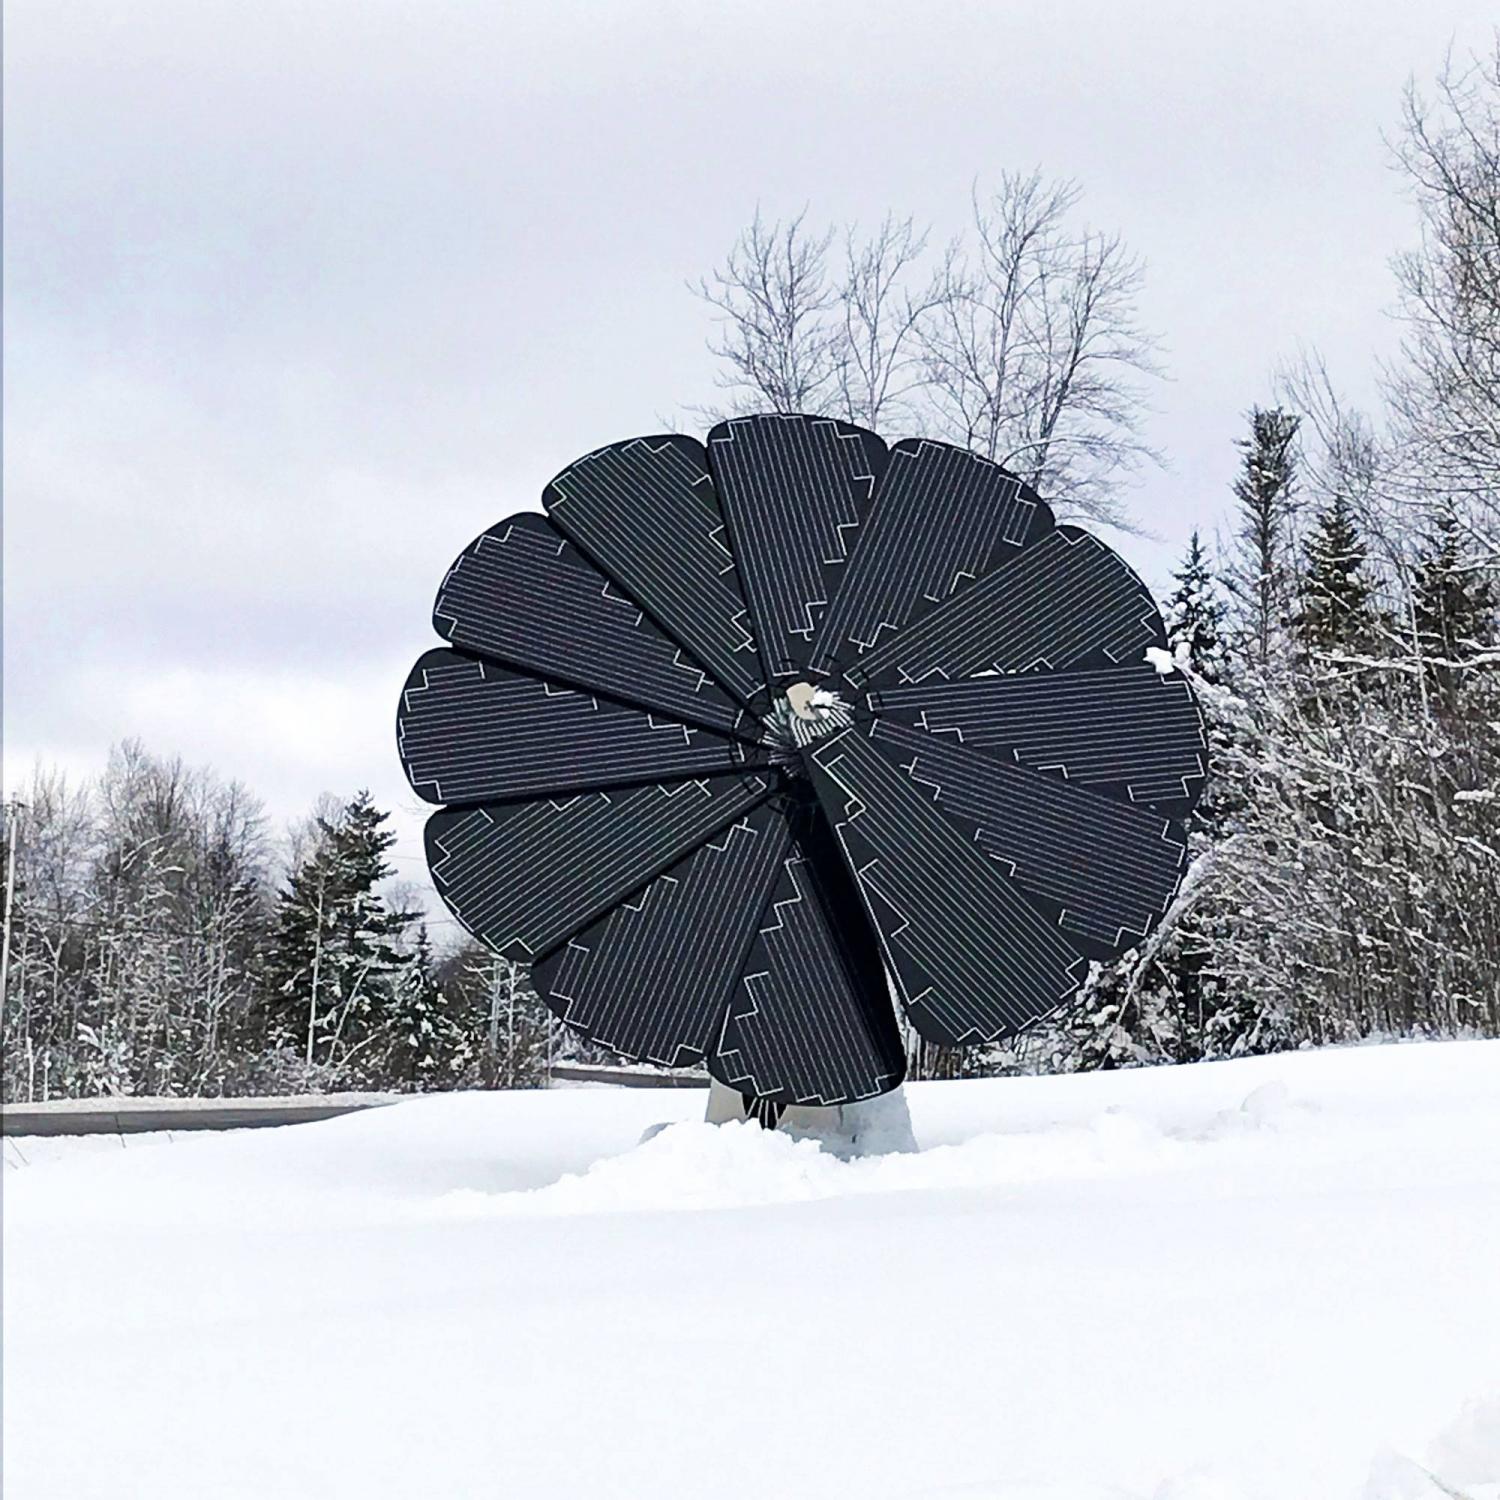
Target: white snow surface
[{"x": 1274, "y": 1279}]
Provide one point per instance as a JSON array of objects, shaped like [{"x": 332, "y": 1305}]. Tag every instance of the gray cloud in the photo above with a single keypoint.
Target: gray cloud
[{"x": 300, "y": 297}]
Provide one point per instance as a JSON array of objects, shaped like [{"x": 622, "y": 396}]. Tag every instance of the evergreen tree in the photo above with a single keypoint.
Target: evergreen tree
[
  {"x": 1335, "y": 611},
  {"x": 1121, "y": 1020},
  {"x": 421, "y": 1032},
  {"x": 335, "y": 949},
  {"x": 1264, "y": 495},
  {"x": 1454, "y": 607},
  {"x": 1245, "y": 1024},
  {"x": 1195, "y": 614}
]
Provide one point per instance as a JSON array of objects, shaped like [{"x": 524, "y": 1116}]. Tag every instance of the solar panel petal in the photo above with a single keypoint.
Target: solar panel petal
[
  {"x": 971, "y": 958},
  {"x": 810, "y": 1019},
  {"x": 471, "y": 731},
  {"x": 645, "y": 512},
  {"x": 794, "y": 492},
  {"x": 523, "y": 595},
  {"x": 1110, "y": 870},
  {"x": 1065, "y": 601},
  {"x": 941, "y": 518},
  {"x": 1128, "y": 731},
  {"x": 653, "y": 978},
  {"x": 522, "y": 876}
]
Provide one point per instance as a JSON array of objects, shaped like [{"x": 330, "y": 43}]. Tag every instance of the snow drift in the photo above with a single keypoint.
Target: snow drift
[{"x": 1263, "y": 1280}]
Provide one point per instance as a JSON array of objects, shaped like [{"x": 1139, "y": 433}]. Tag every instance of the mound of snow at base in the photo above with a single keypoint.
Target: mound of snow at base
[
  {"x": 1263, "y": 1280},
  {"x": 690, "y": 1165}
]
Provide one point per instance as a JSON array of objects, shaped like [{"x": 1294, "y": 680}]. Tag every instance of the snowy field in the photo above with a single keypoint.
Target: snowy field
[{"x": 1276, "y": 1279}]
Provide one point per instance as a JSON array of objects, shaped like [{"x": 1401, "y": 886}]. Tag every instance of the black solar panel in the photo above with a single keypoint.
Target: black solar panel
[
  {"x": 810, "y": 1018},
  {"x": 945, "y": 518},
  {"x": 1127, "y": 731},
  {"x": 1110, "y": 869},
  {"x": 645, "y": 512},
  {"x": 794, "y": 491},
  {"x": 653, "y": 978},
  {"x": 525, "y": 875},
  {"x": 471, "y": 731},
  {"x": 1066, "y": 601},
  {"x": 521, "y": 594},
  {"x": 748, "y": 750},
  {"x": 971, "y": 957}
]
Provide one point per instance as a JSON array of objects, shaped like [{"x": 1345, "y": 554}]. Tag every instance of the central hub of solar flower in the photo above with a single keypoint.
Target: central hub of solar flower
[{"x": 804, "y": 713}]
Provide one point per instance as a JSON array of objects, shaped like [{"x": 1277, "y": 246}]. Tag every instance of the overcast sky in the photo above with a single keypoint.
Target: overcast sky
[{"x": 300, "y": 297}]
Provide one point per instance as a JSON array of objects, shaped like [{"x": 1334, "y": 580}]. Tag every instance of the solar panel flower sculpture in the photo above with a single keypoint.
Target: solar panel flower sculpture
[{"x": 743, "y": 745}]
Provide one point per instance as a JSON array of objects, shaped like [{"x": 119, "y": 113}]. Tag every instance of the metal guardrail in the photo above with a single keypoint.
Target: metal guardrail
[
  {"x": 130, "y": 1116},
  {"x": 630, "y": 1078},
  {"x": 119, "y": 1116}
]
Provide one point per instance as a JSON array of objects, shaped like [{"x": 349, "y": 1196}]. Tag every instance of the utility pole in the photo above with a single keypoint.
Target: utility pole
[
  {"x": 13, "y": 831},
  {"x": 510, "y": 1060},
  {"x": 312, "y": 1004},
  {"x": 494, "y": 1038}
]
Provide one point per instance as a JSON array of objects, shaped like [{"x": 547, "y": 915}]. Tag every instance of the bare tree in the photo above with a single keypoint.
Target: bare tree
[
  {"x": 777, "y": 338},
  {"x": 878, "y": 351},
  {"x": 54, "y": 906},
  {"x": 1021, "y": 342},
  {"x": 1340, "y": 452},
  {"x": 1445, "y": 392},
  {"x": 1033, "y": 349},
  {"x": 302, "y": 837},
  {"x": 1432, "y": 464}
]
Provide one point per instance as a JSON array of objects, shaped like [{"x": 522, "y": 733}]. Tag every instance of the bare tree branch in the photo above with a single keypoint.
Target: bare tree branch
[
  {"x": 777, "y": 338},
  {"x": 1033, "y": 349}
]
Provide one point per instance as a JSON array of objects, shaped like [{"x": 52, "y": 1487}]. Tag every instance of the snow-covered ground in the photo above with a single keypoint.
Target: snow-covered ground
[{"x": 1276, "y": 1279}]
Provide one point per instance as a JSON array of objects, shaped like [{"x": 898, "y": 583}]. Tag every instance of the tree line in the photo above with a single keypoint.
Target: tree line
[
  {"x": 160, "y": 943},
  {"x": 1343, "y": 634}
]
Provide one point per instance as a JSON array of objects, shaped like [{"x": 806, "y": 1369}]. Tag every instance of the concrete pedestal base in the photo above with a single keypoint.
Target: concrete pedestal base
[{"x": 872, "y": 1127}]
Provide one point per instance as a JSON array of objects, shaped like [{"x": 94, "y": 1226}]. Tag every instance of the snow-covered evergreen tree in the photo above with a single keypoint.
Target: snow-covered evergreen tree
[
  {"x": 1259, "y": 576},
  {"x": 1335, "y": 613},
  {"x": 421, "y": 1032},
  {"x": 1123, "y": 1019},
  {"x": 1195, "y": 614},
  {"x": 335, "y": 951},
  {"x": 1453, "y": 609}
]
